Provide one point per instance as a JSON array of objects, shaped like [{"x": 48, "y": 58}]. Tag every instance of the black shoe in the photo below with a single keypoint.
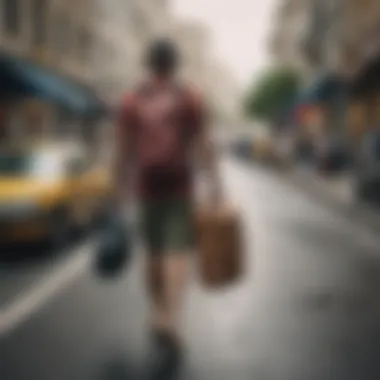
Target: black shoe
[{"x": 166, "y": 358}]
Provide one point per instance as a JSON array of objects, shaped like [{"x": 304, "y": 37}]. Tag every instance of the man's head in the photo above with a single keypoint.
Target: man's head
[{"x": 162, "y": 57}]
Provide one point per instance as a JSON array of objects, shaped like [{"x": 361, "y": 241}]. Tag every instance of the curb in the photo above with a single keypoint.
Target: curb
[{"x": 361, "y": 212}]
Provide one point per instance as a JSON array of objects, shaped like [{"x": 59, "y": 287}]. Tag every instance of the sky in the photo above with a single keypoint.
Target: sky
[{"x": 240, "y": 30}]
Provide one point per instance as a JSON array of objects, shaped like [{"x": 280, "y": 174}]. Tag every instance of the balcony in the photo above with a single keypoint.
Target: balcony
[
  {"x": 312, "y": 47},
  {"x": 313, "y": 40},
  {"x": 289, "y": 8}
]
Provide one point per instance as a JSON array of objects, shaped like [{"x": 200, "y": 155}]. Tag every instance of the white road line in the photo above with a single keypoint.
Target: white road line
[{"x": 28, "y": 303}]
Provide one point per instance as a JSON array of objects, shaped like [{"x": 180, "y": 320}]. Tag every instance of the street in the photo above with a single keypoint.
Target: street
[{"x": 308, "y": 307}]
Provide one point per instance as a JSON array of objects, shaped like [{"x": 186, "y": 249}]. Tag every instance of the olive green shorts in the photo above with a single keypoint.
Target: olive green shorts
[{"x": 167, "y": 225}]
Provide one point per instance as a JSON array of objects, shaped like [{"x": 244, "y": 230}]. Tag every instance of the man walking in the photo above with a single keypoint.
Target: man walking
[{"x": 162, "y": 130}]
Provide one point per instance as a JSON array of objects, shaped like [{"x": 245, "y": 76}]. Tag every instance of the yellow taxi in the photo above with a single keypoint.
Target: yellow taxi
[{"x": 47, "y": 191}]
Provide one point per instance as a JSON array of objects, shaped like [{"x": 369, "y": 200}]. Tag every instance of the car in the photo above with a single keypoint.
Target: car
[
  {"x": 242, "y": 149},
  {"x": 305, "y": 152},
  {"x": 333, "y": 157},
  {"x": 48, "y": 191},
  {"x": 367, "y": 174}
]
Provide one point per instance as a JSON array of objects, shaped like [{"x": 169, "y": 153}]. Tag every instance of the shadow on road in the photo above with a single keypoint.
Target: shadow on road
[
  {"x": 117, "y": 367},
  {"x": 24, "y": 256},
  {"x": 31, "y": 255},
  {"x": 23, "y": 265}
]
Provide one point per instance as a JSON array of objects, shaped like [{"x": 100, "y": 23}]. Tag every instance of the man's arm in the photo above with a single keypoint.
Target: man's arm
[{"x": 205, "y": 147}]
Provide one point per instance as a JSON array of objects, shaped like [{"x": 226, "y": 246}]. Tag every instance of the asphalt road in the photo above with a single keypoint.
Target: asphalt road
[{"x": 308, "y": 307}]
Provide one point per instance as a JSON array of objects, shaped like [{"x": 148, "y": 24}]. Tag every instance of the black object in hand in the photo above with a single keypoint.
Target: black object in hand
[{"x": 115, "y": 247}]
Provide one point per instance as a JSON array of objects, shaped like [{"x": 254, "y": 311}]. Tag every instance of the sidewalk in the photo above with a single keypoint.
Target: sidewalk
[
  {"x": 337, "y": 187},
  {"x": 336, "y": 192}
]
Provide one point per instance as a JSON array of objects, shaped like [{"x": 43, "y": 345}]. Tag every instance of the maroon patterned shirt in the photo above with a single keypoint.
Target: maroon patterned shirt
[{"x": 161, "y": 122}]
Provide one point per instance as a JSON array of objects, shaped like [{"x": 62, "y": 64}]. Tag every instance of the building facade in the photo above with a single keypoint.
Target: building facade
[
  {"x": 307, "y": 36},
  {"x": 360, "y": 21},
  {"x": 51, "y": 33},
  {"x": 94, "y": 44},
  {"x": 348, "y": 33},
  {"x": 291, "y": 21},
  {"x": 342, "y": 39},
  {"x": 123, "y": 29},
  {"x": 51, "y": 43},
  {"x": 117, "y": 46}
]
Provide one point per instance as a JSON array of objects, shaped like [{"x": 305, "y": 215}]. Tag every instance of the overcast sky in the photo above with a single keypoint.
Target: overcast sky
[{"x": 240, "y": 30}]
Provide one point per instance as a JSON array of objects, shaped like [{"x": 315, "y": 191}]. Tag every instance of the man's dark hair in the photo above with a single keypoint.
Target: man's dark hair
[{"x": 162, "y": 56}]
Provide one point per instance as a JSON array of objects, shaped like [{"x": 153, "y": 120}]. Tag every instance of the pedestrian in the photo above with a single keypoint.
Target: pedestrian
[{"x": 162, "y": 129}]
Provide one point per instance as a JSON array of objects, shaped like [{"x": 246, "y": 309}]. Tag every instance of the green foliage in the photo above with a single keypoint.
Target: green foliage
[{"x": 275, "y": 90}]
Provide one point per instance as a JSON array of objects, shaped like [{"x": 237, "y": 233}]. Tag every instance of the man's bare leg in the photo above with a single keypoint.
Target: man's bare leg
[
  {"x": 155, "y": 287},
  {"x": 167, "y": 277},
  {"x": 176, "y": 277},
  {"x": 168, "y": 231}
]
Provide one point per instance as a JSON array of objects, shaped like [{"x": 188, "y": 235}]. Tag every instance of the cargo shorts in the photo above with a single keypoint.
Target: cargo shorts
[{"x": 167, "y": 225}]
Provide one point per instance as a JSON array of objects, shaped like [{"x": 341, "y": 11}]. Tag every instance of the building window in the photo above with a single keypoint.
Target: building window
[
  {"x": 62, "y": 31},
  {"x": 12, "y": 16},
  {"x": 39, "y": 22},
  {"x": 84, "y": 45}
]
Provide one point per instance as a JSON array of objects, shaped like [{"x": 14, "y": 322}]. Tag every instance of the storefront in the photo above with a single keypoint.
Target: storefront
[
  {"x": 27, "y": 86},
  {"x": 4, "y": 109},
  {"x": 320, "y": 112},
  {"x": 364, "y": 118},
  {"x": 326, "y": 100},
  {"x": 365, "y": 98}
]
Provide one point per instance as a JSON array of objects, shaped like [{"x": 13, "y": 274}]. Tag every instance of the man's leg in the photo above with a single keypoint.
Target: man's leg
[
  {"x": 177, "y": 260},
  {"x": 153, "y": 233},
  {"x": 176, "y": 274},
  {"x": 169, "y": 237},
  {"x": 155, "y": 284}
]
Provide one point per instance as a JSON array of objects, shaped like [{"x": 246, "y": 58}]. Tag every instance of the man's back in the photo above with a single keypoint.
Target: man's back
[{"x": 161, "y": 120}]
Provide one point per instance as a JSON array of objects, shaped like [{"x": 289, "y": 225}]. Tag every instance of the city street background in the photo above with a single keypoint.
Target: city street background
[{"x": 292, "y": 89}]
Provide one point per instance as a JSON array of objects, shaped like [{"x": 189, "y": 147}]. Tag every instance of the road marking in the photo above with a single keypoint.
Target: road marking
[{"x": 28, "y": 303}]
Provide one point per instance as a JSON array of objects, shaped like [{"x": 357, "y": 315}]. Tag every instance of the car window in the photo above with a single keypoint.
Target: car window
[
  {"x": 48, "y": 166},
  {"x": 14, "y": 164}
]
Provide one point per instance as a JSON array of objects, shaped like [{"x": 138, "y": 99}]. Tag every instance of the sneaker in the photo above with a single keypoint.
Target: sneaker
[{"x": 166, "y": 358}]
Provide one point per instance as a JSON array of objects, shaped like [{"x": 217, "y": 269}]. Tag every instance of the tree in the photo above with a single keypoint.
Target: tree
[{"x": 272, "y": 94}]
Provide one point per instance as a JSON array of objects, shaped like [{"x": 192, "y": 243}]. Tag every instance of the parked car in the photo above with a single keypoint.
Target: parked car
[
  {"x": 367, "y": 170},
  {"x": 242, "y": 148},
  {"x": 48, "y": 191},
  {"x": 304, "y": 152},
  {"x": 333, "y": 157}
]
